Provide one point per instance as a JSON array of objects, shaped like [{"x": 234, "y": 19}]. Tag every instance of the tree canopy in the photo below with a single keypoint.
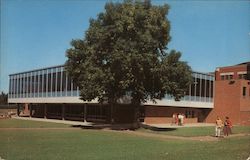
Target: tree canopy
[{"x": 125, "y": 52}]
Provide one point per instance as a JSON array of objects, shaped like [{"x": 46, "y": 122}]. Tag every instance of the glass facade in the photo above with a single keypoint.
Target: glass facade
[
  {"x": 201, "y": 89},
  {"x": 48, "y": 82},
  {"x": 54, "y": 82}
]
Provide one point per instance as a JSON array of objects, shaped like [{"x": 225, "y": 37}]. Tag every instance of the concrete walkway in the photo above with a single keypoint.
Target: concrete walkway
[{"x": 55, "y": 121}]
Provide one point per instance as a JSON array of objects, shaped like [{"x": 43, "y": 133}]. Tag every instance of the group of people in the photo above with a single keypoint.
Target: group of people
[
  {"x": 178, "y": 119},
  {"x": 223, "y": 128}
]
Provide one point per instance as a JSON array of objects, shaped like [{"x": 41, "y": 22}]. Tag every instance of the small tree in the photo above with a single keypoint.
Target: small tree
[
  {"x": 124, "y": 52},
  {"x": 3, "y": 98}
]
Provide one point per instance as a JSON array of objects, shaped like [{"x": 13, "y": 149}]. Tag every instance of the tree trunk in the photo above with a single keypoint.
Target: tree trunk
[
  {"x": 112, "y": 120},
  {"x": 136, "y": 123}
]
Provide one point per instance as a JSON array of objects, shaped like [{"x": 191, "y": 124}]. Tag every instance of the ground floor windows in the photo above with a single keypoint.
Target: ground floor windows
[
  {"x": 190, "y": 114},
  {"x": 98, "y": 113}
]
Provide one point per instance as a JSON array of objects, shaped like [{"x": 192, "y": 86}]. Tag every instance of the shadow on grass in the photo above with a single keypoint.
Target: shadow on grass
[
  {"x": 162, "y": 129},
  {"x": 158, "y": 129},
  {"x": 121, "y": 127}
]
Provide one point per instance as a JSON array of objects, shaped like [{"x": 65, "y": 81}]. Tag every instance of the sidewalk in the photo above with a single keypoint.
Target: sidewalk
[{"x": 55, "y": 121}]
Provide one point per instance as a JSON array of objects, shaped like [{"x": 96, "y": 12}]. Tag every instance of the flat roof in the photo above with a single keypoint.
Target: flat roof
[{"x": 37, "y": 69}]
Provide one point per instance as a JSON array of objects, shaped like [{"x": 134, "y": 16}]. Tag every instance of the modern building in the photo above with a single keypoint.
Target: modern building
[
  {"x": 50, "y": 93},
  {"x": 232, "y": 94}
]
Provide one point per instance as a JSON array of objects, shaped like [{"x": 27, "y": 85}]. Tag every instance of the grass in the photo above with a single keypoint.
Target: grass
[
  {"x": 101, "y": 145},
  {"x": 196, "y": 131},
  {"x": 15, "y": 123}
]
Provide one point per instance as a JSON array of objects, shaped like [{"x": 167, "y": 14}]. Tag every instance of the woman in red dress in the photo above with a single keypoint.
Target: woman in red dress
[{"x": 227, "y": 127}]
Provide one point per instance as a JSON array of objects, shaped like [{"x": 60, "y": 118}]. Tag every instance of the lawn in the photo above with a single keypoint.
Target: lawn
[
  {"x": 98, "y": 145},
  {"x": 16, "y": 123}
]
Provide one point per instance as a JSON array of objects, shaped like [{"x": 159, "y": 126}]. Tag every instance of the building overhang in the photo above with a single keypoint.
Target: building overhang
[
  {"x": 173, "y": 103},
  {"x": 50, "y": 100},
  {"x": 77, "y": 100}
]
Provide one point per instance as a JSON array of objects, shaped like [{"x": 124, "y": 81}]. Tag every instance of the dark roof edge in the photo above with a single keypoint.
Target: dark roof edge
[
  {"x": 37, "y": 69},
  {"x": 240, "y": 64},
  {"x": 243, "y": 63}
]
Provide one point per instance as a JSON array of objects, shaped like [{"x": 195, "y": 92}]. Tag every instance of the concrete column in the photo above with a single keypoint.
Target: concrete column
[
  {"x": 85, "y": 112},
  {"x": 30, "y": 105},
  {"x": 45, "y": 110},
  {"x": 18, "y": 110},
  {"x": 63, "y": 111}
]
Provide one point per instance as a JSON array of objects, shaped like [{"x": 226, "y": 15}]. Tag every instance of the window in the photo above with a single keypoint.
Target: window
[
  {"x": 242, "y": 76},
  {"x": 28, "y": 84},
  {"x": 190, "y": 114},
  {"x": 230, "y": 76},
  {"x": 49, "y": 82},
  {"x": 222, "y": 77},
  {"x": 32, "y": 80},
  {"x": 193, "y": 87},
  {"x": 25, "y": 85},
  {"x": 74, "y": 87},
  {"x": 212, "y": 88},
  {"x": 10, "y": 87},
  {"x": 21, "y": 85},
  {"x": 36, "y": 83},
  {"x": 227, "y": 77},
  {"x": 64, "y": 81},
  {"x": 207, "y": 88},
  {"x": 54, "y": 85},
  {"x": 198, "y": 86},
  {"x": 58, "y": 88},
  {"x": 40, "y": 83},
  {"x": 69, "y": 83},
  {"x": 16, "y": 86},
  {"x": 244, "y": 91},
  {"x": 203, "y": 89},
  {"x": 45, "y": 83}
]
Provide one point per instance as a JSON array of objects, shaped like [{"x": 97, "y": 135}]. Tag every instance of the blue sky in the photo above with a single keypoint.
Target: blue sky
[{"x": 36, "y": 33}]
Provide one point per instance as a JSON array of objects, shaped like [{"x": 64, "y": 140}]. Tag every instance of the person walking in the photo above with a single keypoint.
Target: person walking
[
  {"x": 218, "y": 127},
  {"x": 179, "y": 119},
  {"x": 182, "y": 119},
  {"x": 174, "y": 119},
  {"x": 227, "y": 127}
]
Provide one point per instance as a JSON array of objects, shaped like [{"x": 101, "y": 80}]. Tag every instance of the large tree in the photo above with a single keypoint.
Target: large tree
[{"x": 124, "y": 53}]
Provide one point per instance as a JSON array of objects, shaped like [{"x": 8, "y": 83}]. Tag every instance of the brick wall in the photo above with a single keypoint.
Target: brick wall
[
  {"x": 161, "y": 115},
  {"x": 228, "y": 99},
  {"x": 245, "y": 118}
]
